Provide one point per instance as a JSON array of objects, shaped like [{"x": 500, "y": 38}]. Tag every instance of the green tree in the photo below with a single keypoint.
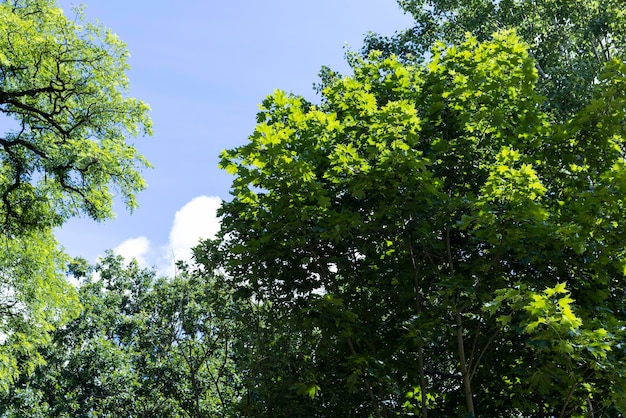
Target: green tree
[
  {"x": 392, "y": 224},
  {"x": 276, "y": 356},
  {"x": 570, "y": 40},
  {"x": 64, "y": 152},
  {"x": 64, "y": 84},
  {"x": 35, "y": 297},
  {"x": 195, "y": 322},
  {"x": 142, "y": 346}
]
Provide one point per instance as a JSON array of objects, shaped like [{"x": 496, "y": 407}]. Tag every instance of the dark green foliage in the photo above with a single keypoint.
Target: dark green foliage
[
  {"x": 443, "y": 236},
  {"x": 142, "y": 347},
  {"x": 407, "y": 227}
]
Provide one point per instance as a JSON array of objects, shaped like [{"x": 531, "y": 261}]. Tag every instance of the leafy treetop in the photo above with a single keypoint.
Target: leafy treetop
[
  {"x": 419, "y": 223},
  {"x": 570, "y": 40},
  {"x": 63, "y": 84}
]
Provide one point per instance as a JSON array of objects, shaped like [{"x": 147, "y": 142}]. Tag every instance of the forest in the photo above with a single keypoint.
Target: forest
[{"x": 439, "y": 233}]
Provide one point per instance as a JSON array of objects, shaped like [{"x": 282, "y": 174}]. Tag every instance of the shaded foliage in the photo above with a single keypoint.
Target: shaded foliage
[
  {"x": 141, "y": 347},
  {"x": 383, "y": 222}
]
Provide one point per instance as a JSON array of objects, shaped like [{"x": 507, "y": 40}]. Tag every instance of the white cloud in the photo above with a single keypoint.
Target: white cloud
[
  {"x": 195, "y": 221},
  {"x": 136, "y": 248}
]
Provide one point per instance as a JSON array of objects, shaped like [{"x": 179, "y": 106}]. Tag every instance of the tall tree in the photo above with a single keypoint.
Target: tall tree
[
  {"x": 64, "y": 84},
  {"x": 438, "y": 238},
  {"x": 67, "y": 119}
]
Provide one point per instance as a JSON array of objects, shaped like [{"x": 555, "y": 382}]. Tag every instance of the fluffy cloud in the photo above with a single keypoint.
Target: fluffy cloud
[
  {"x": 136, "y": 248},
  {"x": 195, "y": 221}
]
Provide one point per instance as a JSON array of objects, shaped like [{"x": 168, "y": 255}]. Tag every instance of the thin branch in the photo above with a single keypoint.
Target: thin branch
[
  {"x": 467, "y": 386},
  {"x": 46, "y": 116},
  {"x": 30, "y": 92},
  {"x": 482, "y": 353},
  {"x": 449, "y": 250},
  {"x": 420, "y": 348}
]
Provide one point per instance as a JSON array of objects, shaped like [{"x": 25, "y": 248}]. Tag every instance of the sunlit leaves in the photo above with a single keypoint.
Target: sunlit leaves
[
  {"x": 65, "y": 153},
  {"x": 35, "y": 298},
  {"x": 569, "y": 40},
  {"x": 63, "y": 82},
  {"x": 419, "y": 210}
]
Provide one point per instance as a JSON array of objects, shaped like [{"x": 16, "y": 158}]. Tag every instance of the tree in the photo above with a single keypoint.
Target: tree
[
  {"x": 192, "y": 328},
  {"x": 571, "y": 41},
  {"x": 142, "y": 346},
  {"x": 439, "y": 236},
  {"x": 63, "y": 83},
  {"x": 63, "y": 98},
  {"x": 35, "y": 297}
]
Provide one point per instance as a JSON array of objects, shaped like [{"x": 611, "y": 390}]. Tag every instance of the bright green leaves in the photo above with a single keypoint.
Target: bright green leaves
[
  {"x": 347, "y": 162},
  {"x": 64, "y": 83},
  {"x": 35, "y": 299},
  {"x": 299, "y": 156},
  {"x": 492, "y": 71},
  {"x": 549, "y": 310},
  {"x": 570, "y": 41},
  {"x": 272, "y": 144},
  {"x": 297, "y": 139},
  {"x": 510, "y": 197},
  {"x": 573, "y": 353},
  {"x": 309, "y": 389},
  {"x": 489, "y": 89},
  {"x": 512, "y": 181}
]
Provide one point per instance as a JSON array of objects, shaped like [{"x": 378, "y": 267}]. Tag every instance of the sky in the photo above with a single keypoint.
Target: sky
[{"x": 203, "y": 66}]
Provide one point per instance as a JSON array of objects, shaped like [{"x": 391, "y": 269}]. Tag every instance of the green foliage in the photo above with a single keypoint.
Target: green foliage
[
  {"x": 34, "y": 298},
  {"x": 63, "y": 94},
  {"x": 142, "y": 346},
  {"x": 574, "y": 356},
  {"x": 442, "y": 235},
  {"x": 571, "y": 40},
  {"x": 63, "y": 83},
  {"x": 388, "y": 222}
]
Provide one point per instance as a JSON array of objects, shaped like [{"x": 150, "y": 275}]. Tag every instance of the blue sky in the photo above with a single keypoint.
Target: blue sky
[{"x": 203, "y": 67}]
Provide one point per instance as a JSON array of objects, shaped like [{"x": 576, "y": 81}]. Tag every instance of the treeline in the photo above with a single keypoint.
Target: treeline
[{"x": 442, "y": 235}]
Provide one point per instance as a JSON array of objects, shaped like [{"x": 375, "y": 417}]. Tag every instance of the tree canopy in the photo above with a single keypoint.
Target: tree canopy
[
  {"x": 441, "y": 234},
  {"x": 436, "y": 231},
  {"x": 64, "y": 152},
  {"x": 570, "y": 40},
  {"x": 35, "y": 298},
  {"x": 142, "y": 346},
  {"x": 63, "y": 83}
]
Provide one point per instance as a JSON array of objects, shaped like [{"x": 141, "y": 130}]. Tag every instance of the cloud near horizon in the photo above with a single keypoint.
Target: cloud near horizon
[{"x": 196, "y": 220}]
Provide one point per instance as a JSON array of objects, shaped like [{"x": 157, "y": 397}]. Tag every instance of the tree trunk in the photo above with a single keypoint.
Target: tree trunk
[
  {"x": 420, "y": 365},
  {"x": 467, "y": 384},
  {"x": 418, "y": 311}
]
